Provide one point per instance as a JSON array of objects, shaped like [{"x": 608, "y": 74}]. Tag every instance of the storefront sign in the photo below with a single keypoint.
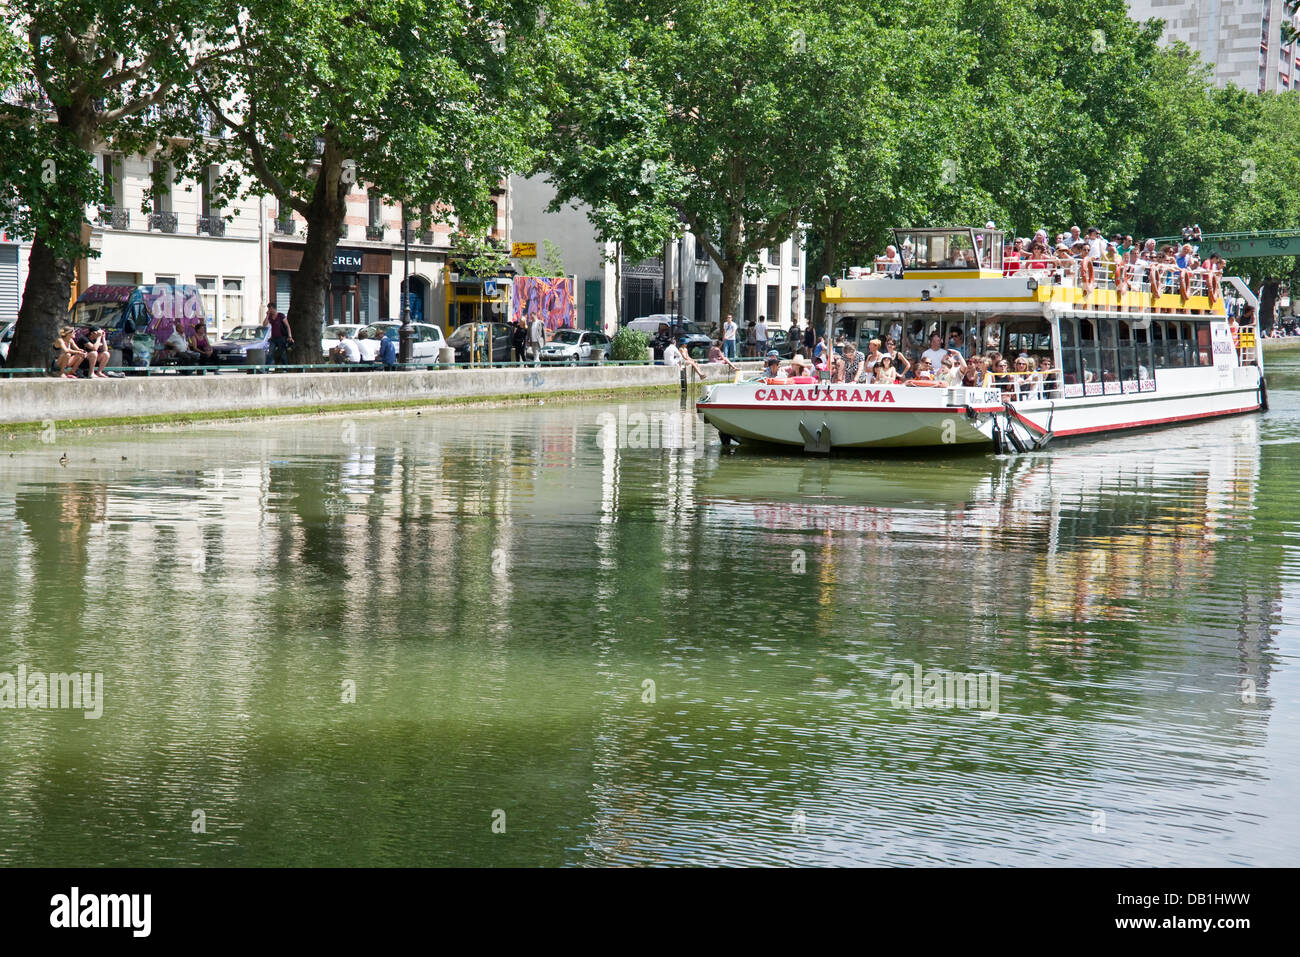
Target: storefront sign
[
  {"x": 523, "y": 250},
  {"x": 347, "y": 260}
]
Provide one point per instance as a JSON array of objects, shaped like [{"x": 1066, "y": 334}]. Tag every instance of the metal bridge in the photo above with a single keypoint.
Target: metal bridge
[{"x": 1268, "y": 242}]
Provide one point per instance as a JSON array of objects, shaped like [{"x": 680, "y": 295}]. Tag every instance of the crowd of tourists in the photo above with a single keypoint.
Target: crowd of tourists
[{"x": 942, "y": 365}]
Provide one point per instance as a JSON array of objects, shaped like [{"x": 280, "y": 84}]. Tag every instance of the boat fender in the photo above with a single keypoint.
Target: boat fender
[
  {"x": 998, "y": 447},
  {"x": 1015, "y": 440},
  {"x": 1263, "y": 395}
]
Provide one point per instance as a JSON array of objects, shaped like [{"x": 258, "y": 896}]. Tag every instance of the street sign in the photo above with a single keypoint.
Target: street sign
[
  {"x": 523, "y": 250},
  {"x": 489, "y": 287}
]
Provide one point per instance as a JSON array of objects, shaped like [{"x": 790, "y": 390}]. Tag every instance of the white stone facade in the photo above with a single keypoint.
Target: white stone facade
[{"x": 1241, "y": 38}]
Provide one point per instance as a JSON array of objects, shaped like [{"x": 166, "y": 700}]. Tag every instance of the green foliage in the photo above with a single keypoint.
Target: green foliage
[
  {"x": 478, "y": 255},
  {"x": 628, "y": 345}
]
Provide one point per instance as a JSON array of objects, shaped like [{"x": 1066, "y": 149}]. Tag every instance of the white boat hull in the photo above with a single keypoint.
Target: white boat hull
[{"x": 834, "y": 416}]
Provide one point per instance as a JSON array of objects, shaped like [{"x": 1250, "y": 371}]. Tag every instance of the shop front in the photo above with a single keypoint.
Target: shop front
[{"x": 359, "y": 282}]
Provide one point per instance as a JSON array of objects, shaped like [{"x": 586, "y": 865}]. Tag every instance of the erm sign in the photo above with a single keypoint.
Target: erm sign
[{"x": 347, "y": 260}]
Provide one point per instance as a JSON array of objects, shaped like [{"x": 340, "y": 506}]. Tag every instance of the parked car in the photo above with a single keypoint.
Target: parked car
[
  {"x": 243, "y": 345},
  {"x": 330, "y": 337},
  {"x": 6, "y": 337},
  {"x": 660, "y": 330},
  {"x": 424, "y": 348},
  {"x": 573, "y": 345},
  {"x": 498, "y": 334},
  {"x": 779, "y": 339}
]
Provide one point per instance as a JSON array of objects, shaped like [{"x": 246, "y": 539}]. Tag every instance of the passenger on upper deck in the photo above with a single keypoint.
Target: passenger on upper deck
[{"x": 889, "y": 264}]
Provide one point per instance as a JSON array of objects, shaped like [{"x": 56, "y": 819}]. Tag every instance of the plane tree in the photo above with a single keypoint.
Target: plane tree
[
  {"x": 423, "y": 101},
  {"x": 81, "y": 76}
]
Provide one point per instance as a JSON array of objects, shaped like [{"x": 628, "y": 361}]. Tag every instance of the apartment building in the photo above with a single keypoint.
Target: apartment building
[
  {"x": 372, "y": 258},
  {"x": 1252, "y": 44},
  {"x": 682, "y": 274}
]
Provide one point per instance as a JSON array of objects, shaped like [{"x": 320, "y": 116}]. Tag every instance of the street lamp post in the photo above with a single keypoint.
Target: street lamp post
[{"x": 406, "y": 335}]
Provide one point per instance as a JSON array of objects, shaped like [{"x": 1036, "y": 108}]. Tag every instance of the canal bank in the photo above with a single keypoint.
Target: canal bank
[{"x": 33, "y": 403}]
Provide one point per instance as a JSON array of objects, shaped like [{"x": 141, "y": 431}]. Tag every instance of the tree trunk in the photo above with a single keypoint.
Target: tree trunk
[
  {"x": 44, "y": 309},
  {"x": 49, "y": 277},
  {"x": 826, "y": 267},
  {"x": 311, "y": 283},
  {"x": 733, "y": 281}
]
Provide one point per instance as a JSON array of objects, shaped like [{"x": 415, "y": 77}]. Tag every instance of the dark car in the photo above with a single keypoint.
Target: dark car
[
  {"x": 498, "y": 334},
  {"x": 243, "y": 345}
]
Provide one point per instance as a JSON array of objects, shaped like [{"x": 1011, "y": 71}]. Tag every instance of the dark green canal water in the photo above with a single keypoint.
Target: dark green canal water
[{"x": 523, "y": 637}]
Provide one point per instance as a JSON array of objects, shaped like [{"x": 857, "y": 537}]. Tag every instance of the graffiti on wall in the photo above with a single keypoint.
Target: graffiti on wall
[{"x": 550, "y": 298}]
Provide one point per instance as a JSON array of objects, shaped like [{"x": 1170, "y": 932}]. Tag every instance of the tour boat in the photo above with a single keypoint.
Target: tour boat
[{"x": 1132, "y": 347}]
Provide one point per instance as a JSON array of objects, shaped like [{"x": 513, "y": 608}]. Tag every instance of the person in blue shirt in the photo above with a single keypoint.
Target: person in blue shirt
[{"x": 388, "y": 353}]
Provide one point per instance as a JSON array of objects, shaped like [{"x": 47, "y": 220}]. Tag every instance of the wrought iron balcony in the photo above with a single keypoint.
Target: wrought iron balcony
[
  {"x": 426, "y": 237},
  {"x": 163, "y": 222},
  {"x": 375, "y": 232},
  {"x": 285, "y": 226},
  {"x": 115, "y": 217},
  {"x": 212, "y": 225}
]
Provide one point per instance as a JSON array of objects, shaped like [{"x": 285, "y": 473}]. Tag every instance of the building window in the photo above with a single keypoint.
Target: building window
[
  {"x": 233, "y": 296},
  {"x": 774, "y": 256},
  {"x": 208, "y": 293},
  {"x": 160, "y": 187},
  {"x": 164, "y": 280},
  {"x": 211, "y": 201},
  {"x": 376, "y": 203},
  {"x": 701, "y": 254},
  {"x": 122, "y": 278},
  {"x": 773, "y": 304}
]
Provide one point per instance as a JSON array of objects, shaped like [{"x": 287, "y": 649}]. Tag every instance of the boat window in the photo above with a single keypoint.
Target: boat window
[
  {"x": 1142, "y": 345},
  {"x": 937, "y": 248},
  {"x": 1088, "y": 362},
  {"x": 1127, "y": 353},
  {"x": 1070, "y": 352},
  {"x": 989, "y": 243},
  {"x": 1175, "y": 347},
  {"x": 1204, "y": 354},
  {"x": 1109, "y": 344},
  {"x": 1158, "y": 354}
]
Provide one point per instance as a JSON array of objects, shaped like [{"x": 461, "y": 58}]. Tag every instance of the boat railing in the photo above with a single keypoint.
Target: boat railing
[{"x": 1141, "y": 277}]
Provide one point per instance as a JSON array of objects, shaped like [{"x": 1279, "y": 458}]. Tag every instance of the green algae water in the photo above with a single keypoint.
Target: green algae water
[{"x": 584, "y": 635}]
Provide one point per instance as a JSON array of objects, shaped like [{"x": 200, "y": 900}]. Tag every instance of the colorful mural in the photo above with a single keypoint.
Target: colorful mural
[{"x": 551, "y": 298}]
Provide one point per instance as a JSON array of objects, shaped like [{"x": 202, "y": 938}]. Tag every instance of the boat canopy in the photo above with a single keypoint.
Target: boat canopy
[{"x": 948, "y": 248}]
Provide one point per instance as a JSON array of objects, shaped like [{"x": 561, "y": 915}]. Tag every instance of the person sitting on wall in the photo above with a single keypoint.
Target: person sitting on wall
[
  {"x": 367, "y": 347},
  {"x": 176, "y": 349},
  {"x": 95, "y": 345},
  {"x": 346, "y": 351},
  {"x": 717, "y": 355},
  {"x": 198, "y": 343},
  {"x": 68, "y": 357}
]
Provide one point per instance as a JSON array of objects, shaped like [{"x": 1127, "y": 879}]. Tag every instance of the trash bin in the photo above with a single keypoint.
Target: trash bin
[{"x": 447, "y": 356}]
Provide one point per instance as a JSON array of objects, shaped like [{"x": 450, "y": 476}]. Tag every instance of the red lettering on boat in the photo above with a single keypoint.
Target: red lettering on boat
[{"x": 760, "y": 394}]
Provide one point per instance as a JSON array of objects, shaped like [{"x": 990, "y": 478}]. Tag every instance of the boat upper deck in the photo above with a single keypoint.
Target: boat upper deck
[{"x": 942, "y": 269}]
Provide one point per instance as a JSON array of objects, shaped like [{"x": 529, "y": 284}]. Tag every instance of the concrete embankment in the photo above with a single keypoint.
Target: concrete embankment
[{"x": 177, "y": 398}]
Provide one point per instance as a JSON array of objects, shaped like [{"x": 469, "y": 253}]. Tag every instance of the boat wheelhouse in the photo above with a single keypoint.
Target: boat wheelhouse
[{"x": 1130, "y": 346}]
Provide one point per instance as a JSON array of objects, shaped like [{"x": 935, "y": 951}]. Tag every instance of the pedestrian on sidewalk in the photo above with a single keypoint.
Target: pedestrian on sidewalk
[
  {"x": 729, "y": 336},
  {"x": 281, "y": 337}
]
